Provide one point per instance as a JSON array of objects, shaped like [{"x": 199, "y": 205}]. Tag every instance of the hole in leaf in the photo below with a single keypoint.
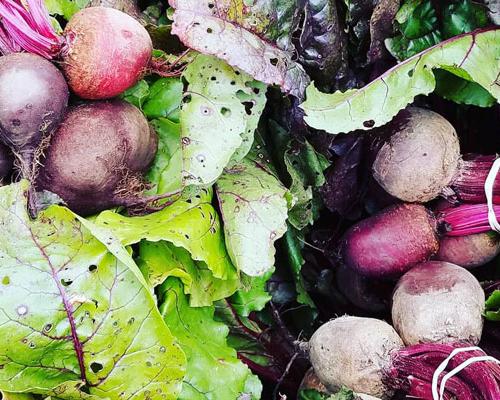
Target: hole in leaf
[
  {"x": 213, "y": 78},
  {"x": 92, "y": 267},
  {"x": 233, "y": 82},
  {"x": 273, "y": 61},
  {"x": 225, "y": 111},
  {"x": 210, "y": 5},
  {"x": 66, "y": 282},
  {"x": 209, "y": 30},
  {"x": 96, "y": 367},
  {"x": 410, "y": 73},
  {"x": 256, "y": 90},
  {"x": 6, "y": 280},
  {"x": 369, "y": 124},
  {"x": 248, "y": 107},
  {"x": 186, "y": 99}
]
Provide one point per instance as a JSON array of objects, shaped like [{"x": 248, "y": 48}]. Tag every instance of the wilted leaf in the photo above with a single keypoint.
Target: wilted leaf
[
  {"x": 221, "y": 28},
  {"x": 74, "y": 315},
  {"x": 191, "y": 223},
  {"x": 219, "y": 115},
  {"x": 254, "y": 209},
  {"x": 475, "y": 56},
  {"x": 160, "y": 260},
  {"x": 213, "y": 369}
]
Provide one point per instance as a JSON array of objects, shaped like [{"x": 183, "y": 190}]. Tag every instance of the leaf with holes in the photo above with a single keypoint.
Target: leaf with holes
[
  {"x": 221, "y": 110},
  {"x": 73, "y": 316},
  {"x": 474, "y": 56},
  {"x": 191, "y": 223},
  {"x": 254, "y": 207},
  {"x": 234, "y": 32},
  {"x": 160, "y": 260},
  {"x": 213, "y": 369}
]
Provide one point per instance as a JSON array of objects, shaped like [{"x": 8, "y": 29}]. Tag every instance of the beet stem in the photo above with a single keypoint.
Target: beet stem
[
  {"x": 467, "y": 219},
  {"x": 28, "y": 28}
]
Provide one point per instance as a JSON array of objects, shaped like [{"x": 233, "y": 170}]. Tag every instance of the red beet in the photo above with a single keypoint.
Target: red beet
[
  {"x": 96, "y": 157},
  {"x": 389, "y": 243},
  {"x": 103, "y": 51}
]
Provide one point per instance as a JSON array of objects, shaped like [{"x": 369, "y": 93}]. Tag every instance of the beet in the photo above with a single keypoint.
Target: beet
[
  {"x": 438, "y": 302},
  {"x": 469, "y": 251},
  {"x": 102, "y": 51},
  {"x": 96, "y": 157},
  {"x": 389, "y": 243}
]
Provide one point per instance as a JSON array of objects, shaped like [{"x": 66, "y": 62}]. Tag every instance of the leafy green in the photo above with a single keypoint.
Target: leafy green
[
  {"x": 474, "y": 56},
  {"x": 463, "y": 16},
  {"x": 242, "y": 35},
  {"x": 213, "y": 369},
  {"x": 160, "y": 260},
  {"x": 492, "y": 309},
  {"x": 220, "y": 113},
  {"x": 252, "y": 295},
  {"x": 164, "y": 99},
  {"x": 65, "y": 8},
  {"x": 75, "y": 315},
  {"x": 191, "y": 223},
  {"x": 311, "y": 394},
  {"x": 254, "y": 208}
]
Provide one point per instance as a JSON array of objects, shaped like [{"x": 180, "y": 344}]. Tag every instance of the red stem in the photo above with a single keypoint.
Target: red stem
[
  {"x": 466, "y": 219},
  {"x": 468, "y": 184},
  {"x": 28, "y": 28}
]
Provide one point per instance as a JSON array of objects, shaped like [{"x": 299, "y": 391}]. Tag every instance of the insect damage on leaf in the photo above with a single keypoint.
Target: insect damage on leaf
[
  {"x": 73, "y": 315},
  {"x": 215, "y": 28}
]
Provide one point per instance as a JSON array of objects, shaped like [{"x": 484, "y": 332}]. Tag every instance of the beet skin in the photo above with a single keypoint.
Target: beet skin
[
  {"x": 389, "y": 243},
  {"x": 96, "y": 157}
]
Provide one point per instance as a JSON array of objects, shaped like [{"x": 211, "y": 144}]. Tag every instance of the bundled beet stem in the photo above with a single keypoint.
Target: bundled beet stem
[
  {"x": 413, "y": 368},
  {"x": 466, "y": 219}
]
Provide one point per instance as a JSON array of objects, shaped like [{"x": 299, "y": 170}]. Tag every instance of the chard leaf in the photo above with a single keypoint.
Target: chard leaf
[
  {"x": 213, "y": 369},
  {"x": 164, "y": 99},
  {"x": 232, "y": 30},
  {"x": 476, "y": 55},
  {"x": 73, "y": 315},
  {"x": 463, "y": 16},
  {"x": 160, "y": 260},
  {"x": 191, "y": 223},
  {"x": 492, "y": 309},
  {"x": 254, "y": 208},
  {"x": 220, "y": 113}
]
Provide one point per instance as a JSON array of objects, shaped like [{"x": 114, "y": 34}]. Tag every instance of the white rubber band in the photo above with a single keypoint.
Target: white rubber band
[
  {"x": 488, "y": 190},
  {"x": 438, "y": 394}
]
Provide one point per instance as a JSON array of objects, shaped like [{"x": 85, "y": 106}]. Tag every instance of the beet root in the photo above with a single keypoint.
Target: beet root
[
  {"x": 354, "y": 352},
  {"x": 97, "y": 155},
  {"x": 389, "y": 243},
  {"x": 420, "y": 159},
  {"x": 469, "y": 251},
  {"x": 438, "y": 302},
  {"x": 97, "y": 67},
  {"x": 34, "y": 96}
]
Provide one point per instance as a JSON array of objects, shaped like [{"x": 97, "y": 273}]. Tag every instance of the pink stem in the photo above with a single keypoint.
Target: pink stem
[
  {"x": 466, "y": 219},
  {"x": 28, "y": 28},
  {"x": 468, "y": 184}
]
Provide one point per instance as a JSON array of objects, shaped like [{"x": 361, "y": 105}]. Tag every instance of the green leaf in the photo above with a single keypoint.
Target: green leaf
[
  {"x": 254, "y": 208},
  {"x": 461, "y": 91},
  {"x": 220, "y": 113},
  {"x": 421, "y": 21},
  {"x": 166, "y": 171},
  {"x": 137, "y": 94},
  {"x": 164, "y": 99},
  {"x": 66, "y": 8},
  {"x": 462, "y": 17},
  {"x": 191, "y": 223},
  {"x": 160, "y": 260},
  {"x": 213, "y": 369},
  {"x": 74, "y": 315},
  {"x": 477, "y": 53},
  {"x": 492, "y": 310},
  {"x": 252, "y": 296},
  {"x": 293, "y": 245}
]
